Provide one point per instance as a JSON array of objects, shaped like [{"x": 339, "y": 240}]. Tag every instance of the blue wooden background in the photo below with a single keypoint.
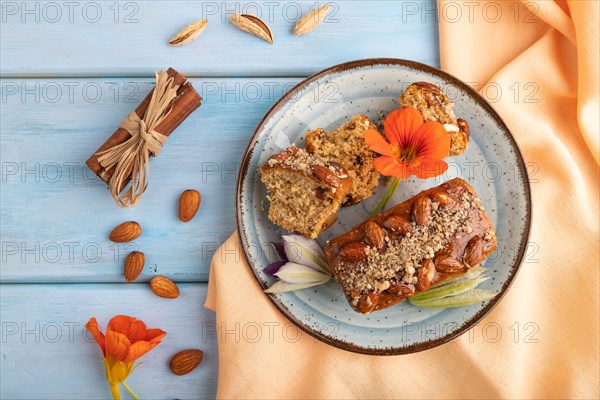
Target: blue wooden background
[{"x": 70, "y": 71}]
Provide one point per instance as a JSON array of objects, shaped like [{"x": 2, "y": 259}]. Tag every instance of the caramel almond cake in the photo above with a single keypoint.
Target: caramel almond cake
[{"x": 437, "y": 235}]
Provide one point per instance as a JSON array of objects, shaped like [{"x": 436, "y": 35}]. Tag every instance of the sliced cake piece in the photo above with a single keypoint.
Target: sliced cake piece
[
  {"x": 346, "y": 146},
  {"x": 436, "y": 106},
  {"x": 305, "y": 191},
  {"x": 430, "y": 238}
]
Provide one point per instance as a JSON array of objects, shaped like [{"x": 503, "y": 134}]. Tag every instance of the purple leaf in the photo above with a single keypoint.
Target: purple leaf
[
  {"x": 280, "y": 250},
  {"x": 273, "y": 268}
]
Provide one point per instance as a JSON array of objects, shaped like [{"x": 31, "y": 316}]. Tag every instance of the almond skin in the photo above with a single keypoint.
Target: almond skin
[
  {"x": 164, "y": 287},
  {"x": 325, "y": 175},
  {"x": 189, "y": 203},
  {"x": 355, "y": 251},
  {"x": 464, "y": 126},
  {"x": 425, "y": 275},
  {"x": 421, "y": 210},
  {"x": 186, "y": 361},
  {"x": 445, "y": 200},
  {"x": 134, "y": 264},
  {"x": 374, "y": 235},
  {"x": 126, "y": 232},
  {"x": 447, "y": 263},
  {"x": 367, "y": 302},
  {"x": 397, "y": 224},
  {"x": 401, "y": 290},
  {"x": 473, "y": 252}
]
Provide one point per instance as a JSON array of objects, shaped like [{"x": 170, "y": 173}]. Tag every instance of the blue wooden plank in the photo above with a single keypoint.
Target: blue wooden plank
[
  {"x": 46, "y": 353},
  {"x": 129, "y": 38},
  {"x": 56, "y": 215}
]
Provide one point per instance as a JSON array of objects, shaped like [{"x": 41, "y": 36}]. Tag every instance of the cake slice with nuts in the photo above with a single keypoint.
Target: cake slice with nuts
[
  {"x": 436, "y": 106},
  {"x": 437, "y": 235},
  {"x": 305, "y": 191},
  {"x": 346, "y": 146}
]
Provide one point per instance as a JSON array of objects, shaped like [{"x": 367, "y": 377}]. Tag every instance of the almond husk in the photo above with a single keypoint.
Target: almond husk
[
  {"x": 253, "y": 25},
  {"x": 311, "y": 20},
  {"x": 189, "y": 33}
]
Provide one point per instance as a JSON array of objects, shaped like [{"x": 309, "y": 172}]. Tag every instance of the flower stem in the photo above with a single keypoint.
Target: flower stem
[
  {"x": 130, "y": 391},
  {"x": 114, "y": 390},
  {"x": 386, "y": 198}
]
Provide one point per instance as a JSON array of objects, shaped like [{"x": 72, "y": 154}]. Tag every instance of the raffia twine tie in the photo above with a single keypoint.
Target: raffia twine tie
[{"x": 131, "y": 158}]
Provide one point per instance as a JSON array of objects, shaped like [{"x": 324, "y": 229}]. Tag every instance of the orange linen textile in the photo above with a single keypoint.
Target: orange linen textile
[{"x": 540, "y": 63}]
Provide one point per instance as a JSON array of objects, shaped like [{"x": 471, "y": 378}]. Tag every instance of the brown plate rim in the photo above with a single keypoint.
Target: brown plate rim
[{"x": 481, "y": 102}]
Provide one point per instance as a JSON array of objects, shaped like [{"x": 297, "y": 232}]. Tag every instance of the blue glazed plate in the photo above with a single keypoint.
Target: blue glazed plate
[{"x": 492, "y": 164}]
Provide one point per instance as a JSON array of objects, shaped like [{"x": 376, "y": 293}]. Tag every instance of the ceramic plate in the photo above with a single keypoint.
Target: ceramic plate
[{"x": 493, "y": 165}]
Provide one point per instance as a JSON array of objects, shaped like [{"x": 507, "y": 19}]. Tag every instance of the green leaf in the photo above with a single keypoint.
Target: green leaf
[
  {"x": 464, "y": 299},
  {"x": 280, "y": 286},
  {"x": 439, "y": 292},
  {"x": 469, "y": 275}
]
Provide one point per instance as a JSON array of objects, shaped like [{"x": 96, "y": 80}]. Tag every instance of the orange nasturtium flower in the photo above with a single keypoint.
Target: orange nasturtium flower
[
  {"x": 413, "y": 147},
  {"x": 126, "y": 340}
]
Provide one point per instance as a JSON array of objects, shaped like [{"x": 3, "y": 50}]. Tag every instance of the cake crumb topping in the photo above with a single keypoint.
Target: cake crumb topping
[
  {"x": 301, "y": 160},
  {"x": 403, "y": 256}
]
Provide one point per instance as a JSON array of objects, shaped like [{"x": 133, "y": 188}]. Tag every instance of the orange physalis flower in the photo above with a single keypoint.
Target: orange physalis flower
[
  {"x": 126, "y": 340},
  {"x": 413, "y": 147}
]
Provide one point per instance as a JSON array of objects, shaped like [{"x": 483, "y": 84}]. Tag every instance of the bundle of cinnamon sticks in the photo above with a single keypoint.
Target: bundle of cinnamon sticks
[{"x": 186, "y": 101}]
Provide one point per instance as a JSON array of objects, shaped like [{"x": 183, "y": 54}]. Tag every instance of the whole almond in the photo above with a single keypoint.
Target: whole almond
[
  {"x": 311, "y": 20},
  {"x": 421, "y": 210},
  {"x": 280, "y": 157},
  {"x": 447, "y": 263},
  {"x": 464, "y": 126},
  {"x": 164, "y": 287},
  {"x": 134, "y": 264},
  {"x": 428, "y": 86},
  {"x": 189, "y": 203},
  {"x": 337, "y": 169},
  {"x": 401, "y": 290},
  {"x": 374, "y": 235},
  {"x": 186, "y": 361},
  {"x": 326, "y": 175},
  {"x": 367, "y": 302},
  {"x": 473, "y": 252},
  {"x": 425, "y": 275},
  {"x": 398, "y": 224},
  {"x": 126, "y": 232},
  {"x": 253, "y": 25},
  {"x": 355, "y": 251},
  {"x": 445, "y": 200}
]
